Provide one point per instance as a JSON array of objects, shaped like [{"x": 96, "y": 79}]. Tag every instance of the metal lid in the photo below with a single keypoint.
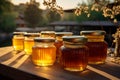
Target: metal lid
[
  {"x": 32, "y": 34},
  {"x": 75, "y": 39},
  {"x": 47, "y": 32},
  {"x": 63, "y": 33},
  {"x": 93, "y": 32},
  {"x": 46, "y": 40},
  {"x": 19, "y": 33}
]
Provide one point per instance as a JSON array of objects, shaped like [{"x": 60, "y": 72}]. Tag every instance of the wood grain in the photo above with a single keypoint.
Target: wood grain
[{"x": 22, "y": 66}]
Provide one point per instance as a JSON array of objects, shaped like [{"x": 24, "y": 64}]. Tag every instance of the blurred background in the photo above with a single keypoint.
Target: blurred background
[{"x": 33, "y": 16}]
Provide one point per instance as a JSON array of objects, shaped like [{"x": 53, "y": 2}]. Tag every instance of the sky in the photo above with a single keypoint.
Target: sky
[{"x": 66, "y": 4}]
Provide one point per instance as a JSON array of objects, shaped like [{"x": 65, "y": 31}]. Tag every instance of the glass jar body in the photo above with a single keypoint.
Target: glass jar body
[
  {"x": 97, "y": 52},
  {"x": 44, "y": 54},
  {"x": 74, "y": 58},
  {"x": 58, "y": 44},
  {"x": 28, "y": 44},
  {"x": 97, "y": 46},
  {"x": 18, "y": 42}
]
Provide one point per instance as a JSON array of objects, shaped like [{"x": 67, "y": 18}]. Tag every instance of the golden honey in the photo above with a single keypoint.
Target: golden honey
[
  {"x": 46, "y": 34},
  {"x": 18, "y": 41},
  {"x": 29, "y": 41},
  {"x": 59, "y": 41},
  {"x": 97, "y": 46},
  {"x": 44, "y": 52},
  {"x": 74, "y": 53},
  {"x": 58, "y": 44}
]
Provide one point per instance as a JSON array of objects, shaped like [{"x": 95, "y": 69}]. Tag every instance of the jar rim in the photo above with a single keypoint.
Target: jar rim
[
  {"x": 19, "y": 33},
  {"x": 39, "y": 39},
  {"x": 47, "y": 32},
  {"x": 93, "y": 32},
  {"x": 75, "y": 39},
  {"x": 32, "y": 34}
]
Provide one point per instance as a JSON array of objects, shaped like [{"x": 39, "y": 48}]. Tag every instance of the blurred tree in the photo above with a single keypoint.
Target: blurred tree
[
  {"x": 20, "y": 8},
  {"x": 69, "y": 17},
  {"x": 7, "y": 17},
  {"x": 5, "y": 6},
  {"x": 34, "y": 2},
  {"x": 94, "y": 16},
  {"x": 8, "y": 22},
  {"x": 97, "y": 16},
  {"x": 33, "y": 15},
  {"x": 52, "y": 16}
]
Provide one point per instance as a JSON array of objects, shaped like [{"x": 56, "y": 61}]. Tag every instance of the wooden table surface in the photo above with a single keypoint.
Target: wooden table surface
[{"x": 19, "y": 66}]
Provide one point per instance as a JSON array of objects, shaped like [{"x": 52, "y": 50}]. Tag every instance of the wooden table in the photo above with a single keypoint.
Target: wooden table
[{"x": 18, "y": 66}]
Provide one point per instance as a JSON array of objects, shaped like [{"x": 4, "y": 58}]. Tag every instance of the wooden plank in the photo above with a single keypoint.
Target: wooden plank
[
  {"x": 22, "y": 63},
  {"x": 16, "y": 74},
  {"x": 57, "y": 71},
  {"x": 5, "y": 50},
  {"x": 108, "y": 68},
  {"x": 54, "y": 72},
  {"x": 13, "y": 58},
  {"x": 109, "y": 76}
]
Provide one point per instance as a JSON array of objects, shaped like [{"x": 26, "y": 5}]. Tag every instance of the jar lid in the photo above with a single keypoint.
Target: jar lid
[
  {"x": 46, "y": 40},
  {"x": 75, "y": 39},
  {"x": 93, "y": 33},
  {"x": 19, "y": 33},
  {"x": 32, "y": 34},
  {"x": 63, "y": 33},
  {"x": 47, "y": 32}
]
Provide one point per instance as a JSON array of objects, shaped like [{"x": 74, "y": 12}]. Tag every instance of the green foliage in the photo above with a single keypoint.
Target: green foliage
[
  {"x": 43, "y": 22},
  {"x": 20, "y": 8},
  {"x": 52, "y": 16},
  {"x": 33, "y": 15},
  {"x": 7, "y": 23},
  {"x": 69, "y": 17},
  {"x": 97, "y": 16},
  {"x": 94, "y": 16},
  {"x": 82, "y": 17},
  {"x": 118, "y": 17},
  {"x": 7, "y": 17},
  {"x": 5, "y": 6}
]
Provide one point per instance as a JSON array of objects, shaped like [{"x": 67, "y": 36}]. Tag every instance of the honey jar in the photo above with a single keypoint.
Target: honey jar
[
  {"x": 59, "y": 41},
  {"x": 44, "y": 52},
  {"x": 74, "y": 53},
  {"x": 97, "y": 46},
  {"x": 18, "y": 41},
  {"x": 48, "y": 34},
  {"x": 29, "y": 41}
]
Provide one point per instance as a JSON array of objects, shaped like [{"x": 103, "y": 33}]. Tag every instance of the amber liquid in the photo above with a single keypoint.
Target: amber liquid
[
  {"x": 97, "y": 52},
  {"x": 42, "y": 56},
  {"x": 74, "y": 59},
  {"x": 28, "y": 44},
  {"x": 58, "y": 44},
  {"x": 18, "y": 43}
]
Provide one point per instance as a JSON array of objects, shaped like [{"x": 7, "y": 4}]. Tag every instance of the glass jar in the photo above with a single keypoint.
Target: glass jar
[
  {"x": 74, "y": 53},
  {"x": 48, "y": 34},
  {"x": 18, "y": 41},
  {"x": 29, "y": 41},
  {"x": 59, "y": 41},
  {"x": 44, "y": 52},
  {"x": 97, "y": 46}
]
